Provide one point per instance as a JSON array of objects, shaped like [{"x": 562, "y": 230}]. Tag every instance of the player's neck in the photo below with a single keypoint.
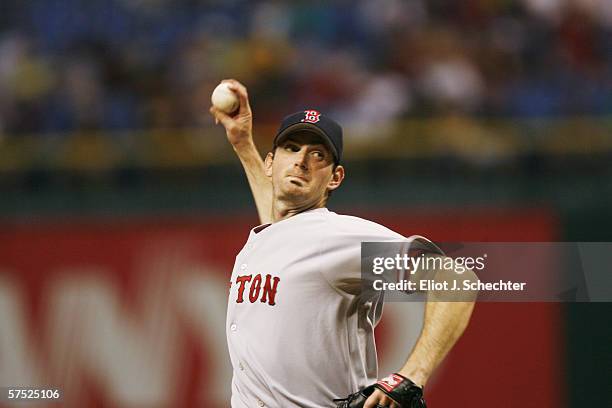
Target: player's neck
[{"x": 282, "y": 209}]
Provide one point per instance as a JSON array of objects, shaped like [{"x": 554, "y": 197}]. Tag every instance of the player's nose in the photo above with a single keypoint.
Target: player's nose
[{"x": 301, "y": 158}]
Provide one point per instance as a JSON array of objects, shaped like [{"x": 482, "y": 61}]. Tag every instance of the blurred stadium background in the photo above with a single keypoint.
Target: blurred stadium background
[{"x": 122, "y": 205}]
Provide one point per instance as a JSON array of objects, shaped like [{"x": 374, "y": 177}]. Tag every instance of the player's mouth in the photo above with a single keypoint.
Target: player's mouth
[
  {"x": 297, "y": 180},
  {"x": 299, "y": 177}
]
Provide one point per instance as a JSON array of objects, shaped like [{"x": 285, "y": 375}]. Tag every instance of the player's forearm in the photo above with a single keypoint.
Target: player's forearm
[
  {"x": 444, "y": 323},
  {"x": 239, "y": 130},
  {"x": 261, "y": 186},
  {"x": 447, "y": 314}
]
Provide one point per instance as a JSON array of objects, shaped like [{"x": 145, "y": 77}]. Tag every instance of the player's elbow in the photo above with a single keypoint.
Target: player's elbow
[{"x": 468, "y": 282}]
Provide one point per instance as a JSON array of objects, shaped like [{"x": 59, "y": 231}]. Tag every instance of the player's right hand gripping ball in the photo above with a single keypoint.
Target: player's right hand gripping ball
[
  {"x": 224, "y": 99},
  {"x": 400, "y": 389}
]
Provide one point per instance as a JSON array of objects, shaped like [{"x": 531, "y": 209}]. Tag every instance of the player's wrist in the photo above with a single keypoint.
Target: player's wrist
[
  {"x": 243, "y": 143},
  {"x": 418, "y": 377}
]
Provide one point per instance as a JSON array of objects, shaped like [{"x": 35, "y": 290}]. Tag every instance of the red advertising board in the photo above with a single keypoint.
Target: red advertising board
[{"x": 130, "y": 313}]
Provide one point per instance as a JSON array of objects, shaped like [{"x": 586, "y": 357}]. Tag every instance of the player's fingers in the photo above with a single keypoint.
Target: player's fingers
[
  {"x": 371, "y": 402},
  {"x": 221, "y": 116},
  {"x": 385, "y": 401},
  {"x": 377, "y": 399},
  {"x": 391, "y": 404},
  {"x": 241, "y": 91},
  {"x": 243, "y": 98},
  {"x": 212, "y": 112},
  {"x": 235, "y": 83}
]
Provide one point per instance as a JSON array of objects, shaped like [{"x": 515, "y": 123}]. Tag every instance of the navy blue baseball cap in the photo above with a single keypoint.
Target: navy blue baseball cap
[{"x": 313, "y": 121}]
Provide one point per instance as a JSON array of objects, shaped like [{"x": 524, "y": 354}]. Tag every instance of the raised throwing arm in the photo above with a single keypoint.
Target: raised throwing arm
[{"x": 239, "y": 130}]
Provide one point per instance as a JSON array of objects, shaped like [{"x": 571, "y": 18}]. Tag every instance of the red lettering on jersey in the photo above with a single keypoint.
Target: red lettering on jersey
[
  {"x": 268, "y": 295},
  {"x": 242, "y": 280},
  {"x": 311, "y": 116},
  {"x": 269, "y": 291},
  {"x": 255, "y": 288}
]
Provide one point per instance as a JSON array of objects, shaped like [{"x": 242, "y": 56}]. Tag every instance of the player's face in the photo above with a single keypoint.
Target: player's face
[{"x": 302, "y": 170}]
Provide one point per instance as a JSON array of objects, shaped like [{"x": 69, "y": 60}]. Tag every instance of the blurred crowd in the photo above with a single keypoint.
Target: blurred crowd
[{"x": 71, "y": 65}]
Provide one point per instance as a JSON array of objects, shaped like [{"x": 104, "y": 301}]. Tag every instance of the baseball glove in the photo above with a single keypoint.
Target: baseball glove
[{"x": 400, "y": 389}]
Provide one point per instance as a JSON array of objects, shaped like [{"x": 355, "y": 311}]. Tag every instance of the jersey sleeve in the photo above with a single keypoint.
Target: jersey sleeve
[{"x": 341, "y": 252}]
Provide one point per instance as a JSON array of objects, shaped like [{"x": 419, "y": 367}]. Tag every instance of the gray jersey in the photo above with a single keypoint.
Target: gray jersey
[{"x": 299, "y": 332}]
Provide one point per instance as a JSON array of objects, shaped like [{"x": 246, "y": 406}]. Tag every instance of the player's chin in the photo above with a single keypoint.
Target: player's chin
[{"x": 293, "y": 189}]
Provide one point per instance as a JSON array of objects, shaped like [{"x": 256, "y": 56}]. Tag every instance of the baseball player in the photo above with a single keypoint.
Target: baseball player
[{"x": 300, "y": 331}]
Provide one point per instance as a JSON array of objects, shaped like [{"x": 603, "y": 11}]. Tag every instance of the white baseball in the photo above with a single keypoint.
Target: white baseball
[{"x": 224, "y": 99}]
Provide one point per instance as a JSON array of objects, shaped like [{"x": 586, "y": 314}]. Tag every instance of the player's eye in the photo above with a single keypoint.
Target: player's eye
[
  {"x": 291, "y": 147},
  {"x": 318, "y": 154}
]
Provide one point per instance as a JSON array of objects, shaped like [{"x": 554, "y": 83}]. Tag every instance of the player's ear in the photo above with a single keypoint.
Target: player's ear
[
  {"x": 268, "y": 164},
  {"x": 336, "y": 179}
]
